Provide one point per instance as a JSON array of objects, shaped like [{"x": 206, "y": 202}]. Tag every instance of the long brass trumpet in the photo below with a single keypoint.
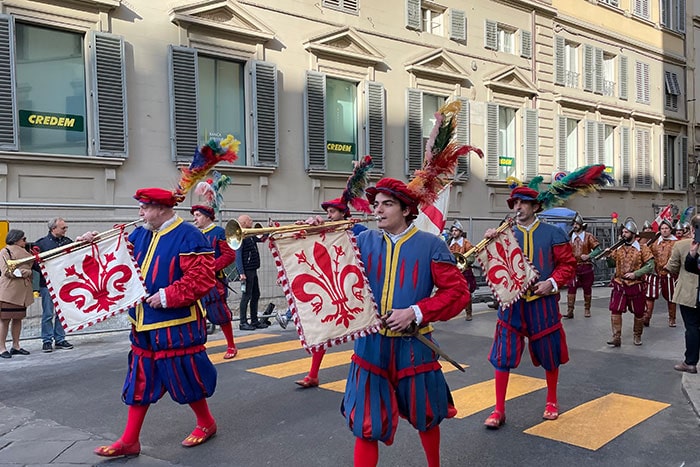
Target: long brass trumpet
[
  {"x": 235, "y": 233},
  {"x": 47, "y": 255}
]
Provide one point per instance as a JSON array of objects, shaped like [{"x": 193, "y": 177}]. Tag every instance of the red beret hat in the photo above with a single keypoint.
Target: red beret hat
[
  {"x": 525, "y": 194},
  {"x": 156, "y": 196},
  {"x": 337, "y": 203},
  {"x": 395, "y": 188},
  {"x": 206, "y": 210}
]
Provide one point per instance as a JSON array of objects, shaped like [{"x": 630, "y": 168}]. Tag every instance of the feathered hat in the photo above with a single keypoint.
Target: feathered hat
[
  {"x": 583, "y": 180},
  {"x": 210, "y": 192},
  {"x": 686, "y": 216},
  {"x": 354, "y": 192},
  {"x": 205, "y": 157},
  {"x": 441, "y": 155}
]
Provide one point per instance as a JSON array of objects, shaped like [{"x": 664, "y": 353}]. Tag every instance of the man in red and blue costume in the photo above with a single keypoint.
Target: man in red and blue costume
[
  {"x": 218, "y": 312},
  {"x": 168, "y": 329},
  {"x": 536, "y": 314},
  {"x": 393, "y": 374}
]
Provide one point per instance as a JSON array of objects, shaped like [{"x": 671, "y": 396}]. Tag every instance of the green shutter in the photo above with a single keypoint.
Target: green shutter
[
  {"x": 265, "y": 111},
  {"x": 414, "y": 130},
  {"x": 8, "y": 98},
  {"x": 315, "y": 119},
  {"x": 109, "y": 95},
  {"x": 375, "y": 118},
  {"x": 531, "y": 143},
  {"x": 184, "y": 120},
  {"x": 625, "y": 151},
  {"x": 492, "y": 151},
  {"x": 463, "y": 137}
]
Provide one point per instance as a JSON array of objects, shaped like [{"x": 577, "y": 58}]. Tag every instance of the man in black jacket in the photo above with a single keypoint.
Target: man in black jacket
[
  {"x": 247, "y": 264},
  {"x": 51, "y": 328}
]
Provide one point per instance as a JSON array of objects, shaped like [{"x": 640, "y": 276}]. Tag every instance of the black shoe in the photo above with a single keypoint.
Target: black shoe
[
  {"x": 246, "y": 327},
  {"x": 65, "y": 345},
  {"x": 266, "y": 322},
  {"x": 47, "y": 347},
  {"x": 260, "y": 325},
  {"x": 5, "y": 354},
  {"x": 19, "y": 351}
]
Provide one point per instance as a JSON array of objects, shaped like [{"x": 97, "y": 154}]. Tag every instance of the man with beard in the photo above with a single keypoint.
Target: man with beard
[
  {"x": 631, "y": 261},
  {"x": 584, "y": 245},
  {"x": 660, "y": 280}
]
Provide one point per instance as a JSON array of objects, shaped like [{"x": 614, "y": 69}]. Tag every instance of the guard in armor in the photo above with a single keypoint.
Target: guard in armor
[
  {"x": 458, "y": 243},
  {"x": 661, "y": 282},
  {"x": 584, "y": 245},
  {"x": 631, "y": 261}
]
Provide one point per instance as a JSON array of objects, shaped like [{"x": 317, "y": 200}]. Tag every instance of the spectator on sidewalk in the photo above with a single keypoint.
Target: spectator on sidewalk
[
  {"x": 686, "y": 296},
  {"x": 16, "y": 292},
  {"x": 51, "y": 329},
  {"x": 247, "y": 264}
]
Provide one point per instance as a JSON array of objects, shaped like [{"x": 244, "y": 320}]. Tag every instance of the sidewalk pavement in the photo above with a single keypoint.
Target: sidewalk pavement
[{"x": 26, "y": 440}]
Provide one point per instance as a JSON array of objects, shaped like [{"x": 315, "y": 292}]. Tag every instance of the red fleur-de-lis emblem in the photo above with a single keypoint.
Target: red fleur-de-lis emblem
[
  {"x": 97, "y": 282},
  {"x": 326, "y": 283},
  {"x": 507, "y": 266}
]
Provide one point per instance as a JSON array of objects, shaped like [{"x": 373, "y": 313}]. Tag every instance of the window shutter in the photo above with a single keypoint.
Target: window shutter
[
  {"x": 642, "y": 159},
  {"x": 665, "y": 13},
  {"x": 492, "y": 150},
  {"x": 265, "y": 110},
  {"x": 414, "y": 130},
  {"x": 413, "y": 15},
  {"x": 8, "y": 99},
  {"x": 588, "y": 70},
  {"x": 601, "y": 143},
  {"x": 458, "y": 25},
  {"x": 559, "y": 58},
  {"x": 491, "y": 35},
  {"x": 351, "y": 6},
  {"x": 683, "y": 173},
  {"x": 333, "y": 3},
  {"x": 463, "y": 137},
  {"x": 598, "y": 70},
  {"x": 591, "y": 142},
  {"x": 625, "y": 152},
  {"x": 561, "y": 142},
  {"x": 531, "y": 143},
  {"x": 184, "y": 119},
  {"x": 525, "y": 44},
  {"x": 110, "y": 133},
  {"x": 638, "y": 81},
  {"x": 623, "y": 77},
  {"x": 315, "y": 120},
  {"x": 668, "y": 163},
  {"x": 681, "y": 16},
  {"x": 374, "y": 130}
]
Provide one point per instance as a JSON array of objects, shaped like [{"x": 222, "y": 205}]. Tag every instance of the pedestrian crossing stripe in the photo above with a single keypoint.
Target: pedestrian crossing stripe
[
  {"x": 481, "y": 396},
  {"x": 251, "y": 352},
  {"x": 594, "y": 424},
  {"x": 301, "y": 365}
]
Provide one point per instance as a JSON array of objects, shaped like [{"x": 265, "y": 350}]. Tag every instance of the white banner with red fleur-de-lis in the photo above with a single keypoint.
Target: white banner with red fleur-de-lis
[
  {"x": 324, "y": 281},
  {"x": 90, "y": 284},
  {"x": 508, "y": 271}
]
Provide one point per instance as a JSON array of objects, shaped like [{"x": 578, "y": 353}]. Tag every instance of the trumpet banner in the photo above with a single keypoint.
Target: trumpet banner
[
  {"x": 509, "y": 272},
  {"x": 324, "y": 282},
  {"x": 90, "y": 284}
]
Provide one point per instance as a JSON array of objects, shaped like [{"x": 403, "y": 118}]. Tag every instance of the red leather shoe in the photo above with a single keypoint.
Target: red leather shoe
[
  {"x": 119, "y": 449},
  {"x": 307, "y": 382},
  {"x": 495, "y": 420},
  {"x": 199, "y": 435},
  {"x": 551, "y": 411},
  {"x": 230, "y": 353}
]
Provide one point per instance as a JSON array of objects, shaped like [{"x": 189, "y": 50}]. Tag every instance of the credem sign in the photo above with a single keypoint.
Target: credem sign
[{"x": 35, "y": 119}]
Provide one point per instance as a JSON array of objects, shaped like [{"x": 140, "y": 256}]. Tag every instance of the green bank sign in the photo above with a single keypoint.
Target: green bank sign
[{"x": 35, "y": 119}]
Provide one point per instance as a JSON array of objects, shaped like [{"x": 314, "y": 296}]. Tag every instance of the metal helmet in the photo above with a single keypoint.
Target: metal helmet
[
  {"x": 457, "y": 225},
  {"x": 630, "y": 225},
  {"x": 668, "y": 222},
  {"x": 647, "y": 225},
  {"x": 678, "y": 225},
  {"x": 577, "y": 219}
]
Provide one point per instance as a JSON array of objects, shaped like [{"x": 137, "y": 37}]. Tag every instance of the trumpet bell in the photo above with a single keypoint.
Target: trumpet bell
[
  {"x": 462, "y": 263},
  {"x": 234, "y": 234}
]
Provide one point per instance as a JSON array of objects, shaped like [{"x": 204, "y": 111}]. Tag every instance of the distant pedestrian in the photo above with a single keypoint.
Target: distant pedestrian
[
  {"x": 16, "y": 292},
  {"x": 684, "y": 259},
  {"x": 247, "y": 264}
]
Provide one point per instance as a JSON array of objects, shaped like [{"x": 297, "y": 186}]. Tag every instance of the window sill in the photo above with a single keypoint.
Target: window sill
[
  {"x": 328, "y": 174},
  {"x": 61, "y": 159},
  {"x": 237, "y": 169}
]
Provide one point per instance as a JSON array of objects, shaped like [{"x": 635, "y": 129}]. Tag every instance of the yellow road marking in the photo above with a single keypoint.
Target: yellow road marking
[
  {"x": 481, "y": 396},
  {"x": 258, "y": 351},
  {"x": 242, "y": 339},
  {"x": 301, "y": 366},
  {"x": 596, "y": 423},
  {"x": 339, "y": 386}
]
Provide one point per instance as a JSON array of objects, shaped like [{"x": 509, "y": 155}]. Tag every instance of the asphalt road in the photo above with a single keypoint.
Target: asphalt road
[{"x": 620, "y": 407}]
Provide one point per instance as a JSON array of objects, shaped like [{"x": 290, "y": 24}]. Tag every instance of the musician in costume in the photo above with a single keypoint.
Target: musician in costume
[
  {"x": 458, "y": 243},
  {"x": 584, "y": 245},
  {"x": 169, "y": 330},
  {"x": 336, "y": 210},
  {"x": 218, "y": 311},
  {"x": 660, "y": 282},
  {"x": 631, "y": 261}
]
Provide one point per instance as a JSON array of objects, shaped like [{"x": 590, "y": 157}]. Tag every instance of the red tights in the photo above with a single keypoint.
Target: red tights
[{"x": 367, "y": 452}]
